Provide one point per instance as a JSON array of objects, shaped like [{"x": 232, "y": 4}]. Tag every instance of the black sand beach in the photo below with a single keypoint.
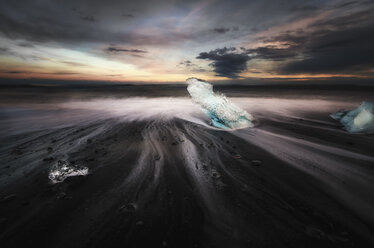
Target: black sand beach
[{"x": 160, "y": 176}]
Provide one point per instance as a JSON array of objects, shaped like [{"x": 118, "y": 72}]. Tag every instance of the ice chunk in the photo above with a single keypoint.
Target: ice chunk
[
  {"x": 221, "y": 111},
  {"x": 64, "y": 169},
  {"x": 359, "y": 120}
]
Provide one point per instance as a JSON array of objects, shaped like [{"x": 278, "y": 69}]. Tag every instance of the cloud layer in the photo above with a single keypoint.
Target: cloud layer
[
  {"x": 210, "y": 39},
  {"x": 341, "y": 42}
]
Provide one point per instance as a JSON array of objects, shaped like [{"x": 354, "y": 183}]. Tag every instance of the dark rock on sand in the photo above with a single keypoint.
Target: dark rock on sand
[
  {"x": 8, "y": 198},
  {"x": 256, "y": 162}
]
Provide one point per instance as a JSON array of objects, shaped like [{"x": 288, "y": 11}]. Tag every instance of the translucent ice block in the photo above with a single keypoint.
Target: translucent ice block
[
  {"x": 221, "y": 111},
  {"x": 359, "y": 120}
]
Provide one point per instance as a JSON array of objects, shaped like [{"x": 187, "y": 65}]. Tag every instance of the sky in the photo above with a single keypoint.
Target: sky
[{"x": 171, "y": 40}]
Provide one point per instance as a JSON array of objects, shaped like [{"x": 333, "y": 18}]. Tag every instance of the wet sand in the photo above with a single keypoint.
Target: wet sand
[{"x": 160, "y": 176}]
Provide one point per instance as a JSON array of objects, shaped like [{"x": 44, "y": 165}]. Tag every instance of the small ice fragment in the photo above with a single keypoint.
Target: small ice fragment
[
  {"x": 359, "y": 120},
  {"x": 64, "y": 169},
  {"x": 221, "y": 111}
]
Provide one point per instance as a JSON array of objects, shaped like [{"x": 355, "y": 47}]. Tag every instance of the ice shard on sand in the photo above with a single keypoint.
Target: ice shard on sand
[
  {"x": 358, "y": 120},
  {"x": 221, "y": 111}
]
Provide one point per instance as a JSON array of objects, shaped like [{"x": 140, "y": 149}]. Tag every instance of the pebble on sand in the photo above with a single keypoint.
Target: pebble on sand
[
  {"x": 256, "y": 162},
  {"x": 128, "y": 208},
  {"x": 8, "y": 198}
]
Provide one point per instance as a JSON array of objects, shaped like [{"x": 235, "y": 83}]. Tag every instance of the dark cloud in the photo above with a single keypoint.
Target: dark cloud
[
  {"x": 341, "y": 47},
  {"x": 304, "y": 8},
  {"x": 186, "y": 63},
  {"x": 15, "y": 72},
  {"x": 89, "y": 18},
  {"x": 61, "y": 73},
  {"x": 4, "y": 50},
  {"x": 344, "y": 4},
  {"x": 288, "y": 38},
  {"x": 25, "y": 44},
  {"x": 58, "y": 21},
  {"x": 46, "y": 73},
  {"x": 339, "y": 44},
  {"x": 348, "y": 50},
  {"x": 128, "y": 15},
  {"x": 272, "y": 53},
  {"x": 225, "y": 30},
  {"x": 190, "y": 66},
  {"x": 359, "y": 18},
  {"x": 123, "y": 50},
  {"x": 227, "y": 62},
  {"x": 61, "y": 21},
  {"x": 221, "y": 30}
]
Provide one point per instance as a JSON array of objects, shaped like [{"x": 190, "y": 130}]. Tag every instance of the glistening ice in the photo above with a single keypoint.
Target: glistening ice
[
  {"x": 64, "y": 169},
  {"x": 359, "y": 120},
  {"x": 221, "y": 111}
]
